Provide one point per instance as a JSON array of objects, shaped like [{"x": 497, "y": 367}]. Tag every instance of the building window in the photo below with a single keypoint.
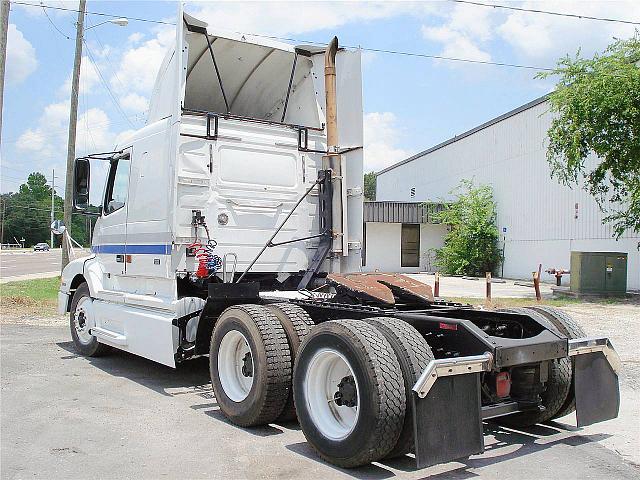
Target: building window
[{"x": 410, "y": 245}]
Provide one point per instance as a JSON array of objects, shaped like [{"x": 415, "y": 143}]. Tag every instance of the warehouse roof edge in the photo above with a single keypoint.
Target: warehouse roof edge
[{"x": 493, "y": 121}]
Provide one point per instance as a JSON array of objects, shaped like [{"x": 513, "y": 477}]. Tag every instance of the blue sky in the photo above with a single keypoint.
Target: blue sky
[{"x": 410, "y": 103}]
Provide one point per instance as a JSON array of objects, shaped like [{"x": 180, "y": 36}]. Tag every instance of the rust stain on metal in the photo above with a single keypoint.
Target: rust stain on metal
[{"x": 382, "y": 286}]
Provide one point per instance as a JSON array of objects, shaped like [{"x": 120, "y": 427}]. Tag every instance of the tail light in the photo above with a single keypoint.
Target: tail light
[{"x": 503, "y": 384}]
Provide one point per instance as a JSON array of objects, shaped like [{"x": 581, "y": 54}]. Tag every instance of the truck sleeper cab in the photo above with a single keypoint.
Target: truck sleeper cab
[{"x": 246, "y": 180}]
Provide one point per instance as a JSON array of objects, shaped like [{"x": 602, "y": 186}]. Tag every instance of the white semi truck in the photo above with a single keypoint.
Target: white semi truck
[{"x": 231, "y": 226}]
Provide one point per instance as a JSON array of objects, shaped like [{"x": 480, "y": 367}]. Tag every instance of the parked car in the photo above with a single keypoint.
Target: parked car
[{"x": 42, "y": 247}]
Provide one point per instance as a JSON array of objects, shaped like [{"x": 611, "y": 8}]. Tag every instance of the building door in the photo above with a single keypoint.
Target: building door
[{"x": 410, "y": 245}]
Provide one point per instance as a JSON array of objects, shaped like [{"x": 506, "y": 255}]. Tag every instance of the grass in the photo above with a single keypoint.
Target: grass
[
  {"x": 38, "y": 289},
  {"x": 554, "y": 302},
  {"x": 30, "y": 298}
]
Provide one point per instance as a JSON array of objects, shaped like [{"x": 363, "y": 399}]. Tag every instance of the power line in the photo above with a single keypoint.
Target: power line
[
  {"x": 106, "y": 85},
  {"x": 54, "y": 25},
  {"x": 405, "y": 54},
  {"x": 546, "y": 12},
  {"x": 100, "y": 14},
  {"x": 376, "y": 50},
  {"x": 51, "y": 133}
]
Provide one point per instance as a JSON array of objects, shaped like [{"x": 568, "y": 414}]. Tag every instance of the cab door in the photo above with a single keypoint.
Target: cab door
[{"x": 110, "y": 235}]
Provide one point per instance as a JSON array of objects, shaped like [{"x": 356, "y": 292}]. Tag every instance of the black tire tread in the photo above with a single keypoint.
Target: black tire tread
[
  {"x": 98, "y": 349},
  {"x": 569, "y": 327},
  {"x": 558, "y": 385},
  {"x": 278, "y": 354},
  {"x": 386, "y": 380},
  {"x": 301, "y": 322},
  {"x": 414, "y": 354}
]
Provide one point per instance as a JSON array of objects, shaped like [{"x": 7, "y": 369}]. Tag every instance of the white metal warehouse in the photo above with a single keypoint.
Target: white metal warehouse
[{"x": 540, "y": 220}]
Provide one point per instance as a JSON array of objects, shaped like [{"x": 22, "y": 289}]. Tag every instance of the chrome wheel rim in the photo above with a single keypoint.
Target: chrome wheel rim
[
  {"x": 83, "y": 321},
  {"x": 235, "y": 366},
  {"x": 328, "y": 381}
]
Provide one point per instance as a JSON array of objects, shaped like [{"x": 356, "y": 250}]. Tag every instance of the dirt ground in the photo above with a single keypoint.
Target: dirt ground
[{"x": 120, "y": 416}]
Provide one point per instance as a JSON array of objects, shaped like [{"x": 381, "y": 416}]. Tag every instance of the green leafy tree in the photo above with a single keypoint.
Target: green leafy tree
[
  {"x": 27, "y": 214},
  {"x": 370, "y": 186},
  {"x": 471, "y": 246},
  {"x": 597, "y": 111}
]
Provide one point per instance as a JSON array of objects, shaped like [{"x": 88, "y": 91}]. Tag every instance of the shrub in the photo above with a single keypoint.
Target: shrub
[{"x": 471, "y": 246}]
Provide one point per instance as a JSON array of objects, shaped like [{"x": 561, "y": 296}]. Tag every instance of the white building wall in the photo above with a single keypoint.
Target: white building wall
[
  {"x": 383, "y": 246},
  {"x": 538, "y": 213}
]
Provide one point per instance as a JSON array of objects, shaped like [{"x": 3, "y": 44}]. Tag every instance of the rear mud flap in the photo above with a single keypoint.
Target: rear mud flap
[
  {"x": 448, "y": 421},
  {"x": 448, "y": 410},
  {"x": 597, "y": 389}
]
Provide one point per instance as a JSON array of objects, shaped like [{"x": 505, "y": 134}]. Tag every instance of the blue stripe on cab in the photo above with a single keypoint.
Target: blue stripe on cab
[{"x": 133, "y": 249}]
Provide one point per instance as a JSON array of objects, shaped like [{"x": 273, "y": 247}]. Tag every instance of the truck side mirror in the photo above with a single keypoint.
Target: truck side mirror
[{"x": 81, "y": 177}]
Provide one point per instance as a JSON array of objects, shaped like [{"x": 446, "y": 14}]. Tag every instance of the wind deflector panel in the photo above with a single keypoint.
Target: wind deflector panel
[{"x": 256, "y": 80}]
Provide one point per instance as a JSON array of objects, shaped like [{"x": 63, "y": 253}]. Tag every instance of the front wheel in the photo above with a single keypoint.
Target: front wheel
[{"x": 81, "y": 319}]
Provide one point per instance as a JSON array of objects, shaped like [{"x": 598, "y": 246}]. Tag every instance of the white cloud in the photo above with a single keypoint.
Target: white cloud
[
  {"x": 134, "y": 103},
  {"x": 381, "y": 138},
  {"x": 281, "y": 18},
  {"x": 544, "y": 38},
  {"x": 135, "y": 37},
  {"x": 455, "y": 44},
  {"x": 21, "y": 56},
  {"x": 463, "y": 34},
  {"x": 139, "y": 64},
  {"x": 48, "y": 138},
  {"x": 89, "y": 78},
  {"x": 38, "y": 11}
]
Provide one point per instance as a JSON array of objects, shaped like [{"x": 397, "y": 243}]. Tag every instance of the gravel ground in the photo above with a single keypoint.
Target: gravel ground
[{"x": 120, "y": 416}]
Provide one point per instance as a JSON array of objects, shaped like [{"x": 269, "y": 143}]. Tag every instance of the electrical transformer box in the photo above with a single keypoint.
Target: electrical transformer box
[{"x": 599, "y": 273}]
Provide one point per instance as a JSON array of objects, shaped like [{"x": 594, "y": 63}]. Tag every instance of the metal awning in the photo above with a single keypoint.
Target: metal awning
[{"x": 402, "y": 212}]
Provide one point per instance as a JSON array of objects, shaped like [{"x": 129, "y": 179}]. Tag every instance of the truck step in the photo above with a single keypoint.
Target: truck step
[{"x": 109, "y": 336}]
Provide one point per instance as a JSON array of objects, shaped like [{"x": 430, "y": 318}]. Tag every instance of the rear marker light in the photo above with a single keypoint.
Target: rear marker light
[{"x": 448, "y": 326}]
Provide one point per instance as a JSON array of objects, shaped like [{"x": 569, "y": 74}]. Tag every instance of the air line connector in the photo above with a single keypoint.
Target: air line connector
[{"x": 197, "y": 219}]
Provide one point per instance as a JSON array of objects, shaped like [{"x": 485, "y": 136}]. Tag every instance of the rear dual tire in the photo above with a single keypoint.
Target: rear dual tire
[
  {"x": 297, "y": 325},
  {"x": 559, "y": 395},
  {"x": 349, "y": 393},
  {"x": 250, "y": 365}
]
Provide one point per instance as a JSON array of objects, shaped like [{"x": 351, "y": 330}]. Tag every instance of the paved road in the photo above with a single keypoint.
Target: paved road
[
  {"x": 18, "y": 265},
  {"x": 120, "y": 416}
]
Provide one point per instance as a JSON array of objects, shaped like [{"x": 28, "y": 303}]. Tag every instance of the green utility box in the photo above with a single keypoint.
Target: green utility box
[{"x": 599, "y": 273}]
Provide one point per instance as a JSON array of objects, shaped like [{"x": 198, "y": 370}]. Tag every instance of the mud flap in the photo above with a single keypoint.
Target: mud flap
[
  {"x": 596, "y": 388},
  {"x": 448, "y": 421}
]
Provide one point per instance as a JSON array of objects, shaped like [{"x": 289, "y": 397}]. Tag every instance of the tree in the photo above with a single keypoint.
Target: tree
[
  {"x": 27, "y": 213},
  {"x": 471, "y": 246},
  {"x": 370, "y": 186},
  {"x": 597, "y": 110}
]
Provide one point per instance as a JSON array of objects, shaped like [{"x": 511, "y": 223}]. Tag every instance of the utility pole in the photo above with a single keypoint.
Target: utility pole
[
  {"x": 4, "y": 30},
  {"x": 4, "y": 214},
  {"x": 53, "y": 196},
  {"x": 73, "y": 119}
]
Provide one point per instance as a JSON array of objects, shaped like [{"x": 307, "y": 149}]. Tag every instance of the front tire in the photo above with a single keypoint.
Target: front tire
[
  {"x": 80, "y": 322},
  {"x": 349, "y": 393}
]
